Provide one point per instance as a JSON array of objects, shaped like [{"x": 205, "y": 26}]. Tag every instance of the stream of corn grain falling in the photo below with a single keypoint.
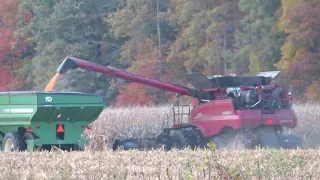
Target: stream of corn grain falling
[{"x": 52, "y": 84}]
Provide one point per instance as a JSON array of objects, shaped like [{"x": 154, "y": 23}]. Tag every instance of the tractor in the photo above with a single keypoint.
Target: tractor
[{"x": 230, "y": 110}]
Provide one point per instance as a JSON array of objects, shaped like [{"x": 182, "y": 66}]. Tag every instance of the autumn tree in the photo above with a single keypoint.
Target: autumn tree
[
  {"x": 13, "y": 44},
  {"x": 160, "y": 39},
  {"x": 148, "y": 34},
  {"x": 71, "y": 28},
  {"x": 301, "y": 51},
  {"x": 137, "y": 21},
  {"x": 206, "y": 35},
  {"x": 149, "y": 65}
]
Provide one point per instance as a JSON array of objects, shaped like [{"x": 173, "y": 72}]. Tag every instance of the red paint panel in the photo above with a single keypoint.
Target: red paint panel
[
  {"x": 283, "y": 117},
  {"x": 254, "y": 118},
  {"x": 213, "y": 116},
  {"x": 250, "y": 118},
  {"x": 201, "y": 117}
]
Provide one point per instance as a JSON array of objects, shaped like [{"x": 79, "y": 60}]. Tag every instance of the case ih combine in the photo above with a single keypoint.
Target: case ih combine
[{"x": 243, "y": 109}]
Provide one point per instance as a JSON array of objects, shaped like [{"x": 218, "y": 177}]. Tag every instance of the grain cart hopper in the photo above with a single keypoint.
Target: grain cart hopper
[
  {"x": 45, "y": 119},
  {"x": 228, "y": 108}
]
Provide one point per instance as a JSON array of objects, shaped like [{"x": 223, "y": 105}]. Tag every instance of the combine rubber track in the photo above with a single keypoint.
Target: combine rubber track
[{"x": 268, "y": 137}]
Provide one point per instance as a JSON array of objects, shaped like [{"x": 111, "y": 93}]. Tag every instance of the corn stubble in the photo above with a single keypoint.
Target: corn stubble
[
  {"x": 149, "y": 121},
  {"x": 99, "y": 163}
]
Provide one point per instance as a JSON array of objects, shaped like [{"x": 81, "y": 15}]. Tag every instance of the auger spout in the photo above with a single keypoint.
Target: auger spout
[{"x": 73, "y": 63}]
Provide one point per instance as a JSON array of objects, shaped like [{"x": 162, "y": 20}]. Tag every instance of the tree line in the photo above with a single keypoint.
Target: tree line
[{"x": 160, "y": 39}]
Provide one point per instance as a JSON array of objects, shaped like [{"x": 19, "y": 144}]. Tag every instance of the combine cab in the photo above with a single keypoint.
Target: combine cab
[
  {"x": 230, "y": 109},
  {"x": 31, "y": 120}
]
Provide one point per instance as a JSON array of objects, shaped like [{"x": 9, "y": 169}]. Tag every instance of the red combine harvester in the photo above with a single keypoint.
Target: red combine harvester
[{"x": 241, "y": 109}]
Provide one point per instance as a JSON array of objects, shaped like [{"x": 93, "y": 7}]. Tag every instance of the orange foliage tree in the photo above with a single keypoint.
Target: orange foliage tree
[
  {"x": 12, "y": 44},
  {"x": 148, "y": 64},
  {"x": 301, "y": 52}
]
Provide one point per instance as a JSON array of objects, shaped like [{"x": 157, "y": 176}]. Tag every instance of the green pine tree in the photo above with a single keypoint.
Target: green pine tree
[{"x": 259, "y": 39}]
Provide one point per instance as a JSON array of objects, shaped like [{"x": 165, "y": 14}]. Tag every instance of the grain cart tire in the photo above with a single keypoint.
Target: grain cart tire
[
  {"x": 77, "y": 147},
  {"x": 12, "y": 141},
  {"x": 71, "y": 147},
  {"x": 27, "y": 136}
]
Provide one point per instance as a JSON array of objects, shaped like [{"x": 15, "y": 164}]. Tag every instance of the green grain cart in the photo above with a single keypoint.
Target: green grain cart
[{"x": 45, "y": 119}]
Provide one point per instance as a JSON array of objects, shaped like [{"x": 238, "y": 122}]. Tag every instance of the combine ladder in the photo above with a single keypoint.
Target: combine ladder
[
  {"x": 268, "y": 102},
  {"x": 181, "y": 114}
]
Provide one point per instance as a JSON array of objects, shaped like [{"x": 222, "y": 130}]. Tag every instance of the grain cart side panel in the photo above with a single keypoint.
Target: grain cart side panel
[
  {"x": 45, "y": 119},
  {"x": 16, "y": 110},
  {"x": 62, "y": 117}
]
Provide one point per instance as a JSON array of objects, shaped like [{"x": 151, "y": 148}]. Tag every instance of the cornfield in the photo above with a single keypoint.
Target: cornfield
[
  {"x": 187, "y": 164},
  {"x": 97, "y": 162},
  {"x": 149, "y": 121}
]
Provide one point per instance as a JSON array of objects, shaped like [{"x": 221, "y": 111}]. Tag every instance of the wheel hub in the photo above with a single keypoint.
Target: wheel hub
[{"x": 9, "y": 146}]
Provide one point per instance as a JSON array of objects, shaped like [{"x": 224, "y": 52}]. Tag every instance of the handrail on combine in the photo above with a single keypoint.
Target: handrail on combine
[{"x": 179, "y": 117}]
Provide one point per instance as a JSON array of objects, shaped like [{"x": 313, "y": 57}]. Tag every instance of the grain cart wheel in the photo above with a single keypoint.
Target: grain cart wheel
[
  {"x": 78, "y": 147},
  {"x": 12, "y": 142},
  {"x": 27, "y": 136}
]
